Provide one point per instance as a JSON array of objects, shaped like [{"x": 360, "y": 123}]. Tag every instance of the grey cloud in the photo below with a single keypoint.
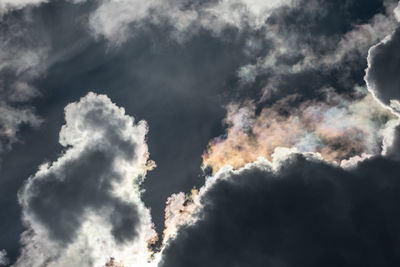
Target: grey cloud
[
  {"x": 23, "y": 50},
  {"x": 9, "y": 5},
  {"x": 59, "y": 200},
  {"x": 392, "y": 148},
  {"x": 92, "y": 185},
  {"x": 183, "y": 85},
  {"x": 307, "y": 213},
  {"x": 3, "y": 257},
  {"x": 318, "y": 44},
  {"x": 384, "y": 67},
  {"x": 185, "y": 17}
]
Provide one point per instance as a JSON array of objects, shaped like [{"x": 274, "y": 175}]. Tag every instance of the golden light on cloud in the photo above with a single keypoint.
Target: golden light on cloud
[
  {"x": 337, "y": 128},
  {"x": 179, "y": 210}
]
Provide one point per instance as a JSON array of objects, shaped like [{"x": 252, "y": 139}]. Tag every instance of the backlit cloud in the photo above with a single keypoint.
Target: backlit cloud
[{"x": 85, "y": 207}]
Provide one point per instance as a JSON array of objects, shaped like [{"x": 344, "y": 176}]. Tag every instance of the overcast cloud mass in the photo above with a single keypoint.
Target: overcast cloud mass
[{"x": 169, "y": 133}]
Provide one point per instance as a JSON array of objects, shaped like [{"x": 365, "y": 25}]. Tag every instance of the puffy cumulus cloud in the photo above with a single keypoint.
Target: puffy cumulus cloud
[
  {"x": 3, "y": 257},
  {"x": 114, "y": 19},
  {"x": 338, "y": 128},
  {"x": 85, "y": 207},
  {"x": 294, "y": 211}
]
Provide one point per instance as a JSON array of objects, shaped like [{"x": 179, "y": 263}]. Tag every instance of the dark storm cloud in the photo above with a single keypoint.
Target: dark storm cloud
[
  {"x": 151, "y": 75},
  {"x": 175, "y": 68},
  {"x": 156, "y": 78},
  {"x": 308, "y": 213},
  {"x": 384, "y": 68},
  {"x": 104, "y": 148},
  {"x": 318, "y": 44},
  {"x": 303, "y": 213}
]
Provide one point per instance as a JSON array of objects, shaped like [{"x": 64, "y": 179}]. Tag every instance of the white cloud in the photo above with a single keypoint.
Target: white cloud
[{"x": 85, "y": 207}]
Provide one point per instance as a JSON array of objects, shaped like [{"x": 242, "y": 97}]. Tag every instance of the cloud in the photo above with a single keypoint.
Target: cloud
[
  {"x": 300, "y": 212},
  {"x": 383, "y": 68},
  {"x": 383, "y": 82},
  {"x": 296, "y": 208},
  {"x": 3, "y": 257},
  {"x": 336, "y": 127},
  {"x": 115, "y": 20},
  {"x": 310, "y": 87},
  {"x": 10, "y": 120},
  {"x": 9, "y": 5},
  {"x": 312, "y": 43},
  {"x": 392, "y": 146},
  {"x": 85, "y": 206},
  {"x": 112, "y": 18},
  {"x": 23, "y": 57}
]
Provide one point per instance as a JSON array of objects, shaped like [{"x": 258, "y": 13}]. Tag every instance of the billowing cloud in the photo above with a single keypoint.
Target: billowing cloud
[
  {"x": 85, "y": 207},
  {"x": 310, "y": 84},
  {"x": 298, "y": 212},
  {"x": 315, "y": 47},
  {"x": 294, "y": 180},
  {"x": 295, "y": 208}
]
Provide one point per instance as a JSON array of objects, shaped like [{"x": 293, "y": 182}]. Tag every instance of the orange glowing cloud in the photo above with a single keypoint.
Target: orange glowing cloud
[
  {"x": 338, "y": 129},
  {"x": 179, "y": 211}
]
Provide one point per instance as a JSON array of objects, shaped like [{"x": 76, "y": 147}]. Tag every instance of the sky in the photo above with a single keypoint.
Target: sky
[{"x": 168, "y": 133}]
